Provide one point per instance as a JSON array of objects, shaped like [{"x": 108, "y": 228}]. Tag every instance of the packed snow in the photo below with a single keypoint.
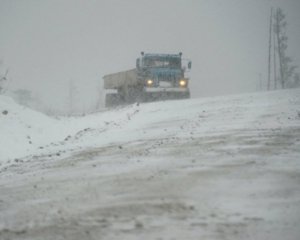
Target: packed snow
[{"x": 212, "y": 168}]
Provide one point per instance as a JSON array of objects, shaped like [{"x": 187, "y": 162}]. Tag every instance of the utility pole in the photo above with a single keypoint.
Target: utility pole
[
  {"x": 270, "y": 48},
  {"x": 279, "y": 25},
  {"x": 274, "y": 60},
  {"x": 260, "y": 82}
]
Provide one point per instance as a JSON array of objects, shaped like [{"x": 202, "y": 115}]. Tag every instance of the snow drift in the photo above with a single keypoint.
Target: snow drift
[{"x": 214, "y": 168}]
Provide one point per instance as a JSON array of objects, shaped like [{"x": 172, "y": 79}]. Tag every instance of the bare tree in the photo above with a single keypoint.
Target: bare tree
[
  {"x": 296, "y": 80},
  {"x": 72, "y": 95},
  {"x": 3, "y": 78},
  {"x": 23, "y": 97},
  {"x": 286, "y": 69}
]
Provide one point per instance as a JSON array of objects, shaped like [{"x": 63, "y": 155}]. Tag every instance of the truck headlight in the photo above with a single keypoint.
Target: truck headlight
[
  {"x": 182, "y": 83},
  {"x": 149, "y": 82}
]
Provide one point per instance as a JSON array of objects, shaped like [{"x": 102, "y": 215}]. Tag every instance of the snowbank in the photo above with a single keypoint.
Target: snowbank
[
  {"x": 26, "y": 132},
  {"x": 22, "y": 130}
]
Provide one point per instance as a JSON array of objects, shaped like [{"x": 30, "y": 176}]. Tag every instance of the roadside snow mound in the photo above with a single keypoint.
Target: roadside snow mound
[
  {"x": 22, "y": 129},
  {"x": 25, "y": 132}
]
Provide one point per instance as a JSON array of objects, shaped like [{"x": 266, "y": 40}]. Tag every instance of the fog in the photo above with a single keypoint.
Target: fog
[{"x": 48, "y": 44}]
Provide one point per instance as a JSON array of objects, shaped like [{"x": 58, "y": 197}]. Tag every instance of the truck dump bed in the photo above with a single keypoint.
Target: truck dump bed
[{"x": 120, "y": 79}]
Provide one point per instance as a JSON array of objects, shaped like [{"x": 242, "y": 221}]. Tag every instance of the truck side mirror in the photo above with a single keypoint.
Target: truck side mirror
[
  {"x": 189, "y": 65},
  {"x": 138, "y": 63}
]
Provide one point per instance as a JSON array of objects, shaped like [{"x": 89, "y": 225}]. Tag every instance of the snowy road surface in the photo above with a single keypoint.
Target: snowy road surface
[{"x": 211, "y": 168}]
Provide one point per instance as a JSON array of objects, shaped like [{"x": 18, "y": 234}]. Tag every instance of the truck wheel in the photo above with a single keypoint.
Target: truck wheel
[
  {"x": 187, "y": 95},
  {"x": 112, "y": 99},
  {"x": 184, "y": 95}
]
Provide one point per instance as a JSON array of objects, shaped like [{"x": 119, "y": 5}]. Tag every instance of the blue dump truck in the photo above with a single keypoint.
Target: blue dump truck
[{"x": 156, "y": 77}]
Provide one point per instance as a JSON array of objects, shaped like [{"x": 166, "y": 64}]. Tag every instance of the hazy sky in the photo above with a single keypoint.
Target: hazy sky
[{"x": 47, "y": 43}]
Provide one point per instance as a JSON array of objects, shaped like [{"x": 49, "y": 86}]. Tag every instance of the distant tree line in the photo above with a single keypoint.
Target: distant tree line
[{"x": 73, "y": 105}]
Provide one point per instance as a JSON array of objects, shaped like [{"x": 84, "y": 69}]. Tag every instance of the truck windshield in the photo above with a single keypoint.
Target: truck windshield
[{"x": 162, "y": 62}]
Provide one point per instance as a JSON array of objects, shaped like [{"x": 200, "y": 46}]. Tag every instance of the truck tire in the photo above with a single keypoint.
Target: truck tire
[
  {"x": 183, "y": 95},
  {"x": 112, "y": 100},
  {"x": 187, "y": 95}
]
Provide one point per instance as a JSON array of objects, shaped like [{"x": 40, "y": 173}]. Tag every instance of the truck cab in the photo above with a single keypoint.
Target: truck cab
[{"x": 162, "y": 72}]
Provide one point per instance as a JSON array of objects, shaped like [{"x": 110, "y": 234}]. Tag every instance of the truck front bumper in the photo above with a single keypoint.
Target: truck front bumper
[
  {"x": 162, "y": 90},
  {"x": 154, "y": 94}
]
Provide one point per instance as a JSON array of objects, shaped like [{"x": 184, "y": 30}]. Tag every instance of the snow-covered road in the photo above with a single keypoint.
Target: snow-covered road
[{"x": 211, "y": 168}]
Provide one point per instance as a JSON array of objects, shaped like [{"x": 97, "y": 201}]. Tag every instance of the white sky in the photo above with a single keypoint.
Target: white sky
[{"x": 47, "y": 43}]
